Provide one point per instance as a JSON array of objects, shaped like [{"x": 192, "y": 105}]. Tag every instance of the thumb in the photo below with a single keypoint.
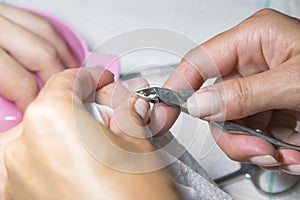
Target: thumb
[{"x": 241, "y": 97}]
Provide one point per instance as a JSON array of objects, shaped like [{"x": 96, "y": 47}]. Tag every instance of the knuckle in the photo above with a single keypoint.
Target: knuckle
[
  {"x": 40, "y": 120},
  {"x": 264, "y": 12},
  {"x": 5, "y": 57},
  {"x": 241, "y": 97},
  {"x": 50, "y": 31},
  {"x": 31, "y": 87},
  {"x": 297, "y": 89},
  {"x": 3, "y": 53},
  {"x": 49, "y": 52},
  {"x": 41, "y": 110},
  {"x": 68, "y": 78},
  {"x": 46, "y": 26},
  {"x": 262, "y": 20},
  {"x": 289, "y": 87}
]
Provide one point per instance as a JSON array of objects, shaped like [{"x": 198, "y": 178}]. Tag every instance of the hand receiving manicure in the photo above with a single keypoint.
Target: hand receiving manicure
[
  {"x": 28, "y": 43},
  {"x": 75, "y": 155}
]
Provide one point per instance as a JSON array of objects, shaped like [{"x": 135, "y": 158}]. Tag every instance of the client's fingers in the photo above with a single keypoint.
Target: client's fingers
[
  {"x": 33, "y": 52},
  {"x": 114, "y": 94},
  {"x": 130, "y": 114},
  {"x": 16, "y": 83},
  {"x": 129, "y": 120},
  {"x": 42, "y": 28},
  {"x": 62, "y": 99},
  {"x": 77, "y": 84},
  {"x": 162, "y": 118}
]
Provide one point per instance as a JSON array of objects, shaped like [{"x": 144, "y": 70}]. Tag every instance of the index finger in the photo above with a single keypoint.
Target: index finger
[
  {"x": 251, "y": 47},
  {"x": 214, "y": 58},
  {"x": 75, "y": 85},
  {"x": 196, "y": 67}
]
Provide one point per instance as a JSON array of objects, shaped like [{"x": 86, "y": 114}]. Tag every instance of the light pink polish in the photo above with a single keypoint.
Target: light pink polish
[
  {"x": 265, "y": 161},
  {"x": 204, "y": 104},
  {"x": 292, "y": 169}
]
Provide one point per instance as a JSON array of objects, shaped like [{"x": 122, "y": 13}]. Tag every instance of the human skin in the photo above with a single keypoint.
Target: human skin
[
  {"x": 257, "y": 66},
  {"x": 28, "y": 42},
  {"x": 44, "y": 157}
]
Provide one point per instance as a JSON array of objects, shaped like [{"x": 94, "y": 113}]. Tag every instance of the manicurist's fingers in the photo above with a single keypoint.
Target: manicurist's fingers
[
  {"x": 246, "y": 148},
  {"x": 290, "y": 160},
  {"x": 241, "y": 97}
]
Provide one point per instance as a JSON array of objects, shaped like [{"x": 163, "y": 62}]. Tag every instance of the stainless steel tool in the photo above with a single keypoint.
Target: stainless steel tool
[{"x": 178, "y": 99}]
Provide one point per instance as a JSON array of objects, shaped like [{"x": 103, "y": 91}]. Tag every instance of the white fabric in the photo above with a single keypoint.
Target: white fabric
[{"x": 192, "y": 181}]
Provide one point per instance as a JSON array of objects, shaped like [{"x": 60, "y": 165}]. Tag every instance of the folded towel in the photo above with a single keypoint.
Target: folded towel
[{"x": 191, "y": 179}]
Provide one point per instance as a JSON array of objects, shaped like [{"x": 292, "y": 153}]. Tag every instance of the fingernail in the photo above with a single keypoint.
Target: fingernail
[
  {"x": 266, "y": 161},
  {"x": 292, "y": 169},
  {"x": 204, "y": 104},
  {"x": 142, "y": 108}
]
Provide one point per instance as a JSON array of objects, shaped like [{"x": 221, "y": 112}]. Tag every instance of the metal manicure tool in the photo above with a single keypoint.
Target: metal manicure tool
[{"x": 178, "y": 99}]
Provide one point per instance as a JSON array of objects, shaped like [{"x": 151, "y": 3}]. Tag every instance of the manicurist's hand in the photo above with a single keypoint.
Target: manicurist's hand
[
  {"x": 28, "y": 43},
  {"x": 257, "y": 65},
  {"x": 60, "y": 151}
]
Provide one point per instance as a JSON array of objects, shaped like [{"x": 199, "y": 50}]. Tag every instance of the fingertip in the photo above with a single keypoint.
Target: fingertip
[
  {"x": 99, "y": 75},
  {"x": 265, "y": 161},
  {"x": 185, "y": 76},
  {"x": 104, "y": 77},
  {"x": 290, "y": 160},
  {"x": 289, "y": 156}
]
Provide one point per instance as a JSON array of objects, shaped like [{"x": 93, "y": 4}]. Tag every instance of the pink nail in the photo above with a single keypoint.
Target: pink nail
[
  {"x": 292, "y": 169},
  {"x": 204, "y": 104},
  {"x": 266, "y": 161}
]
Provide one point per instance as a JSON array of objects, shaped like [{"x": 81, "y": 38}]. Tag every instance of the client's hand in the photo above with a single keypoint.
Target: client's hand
[
  {"x": 28, "y": 43},
  {"x": 60, "y": 151}
]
